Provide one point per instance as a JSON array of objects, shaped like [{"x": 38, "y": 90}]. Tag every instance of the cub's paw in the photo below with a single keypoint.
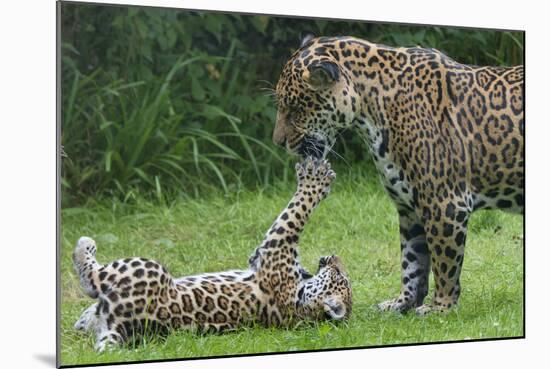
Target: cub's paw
[
  {"x": 107, "y": 341},
  {"x": 85, "y": 247},
  {"x": 315, "y": 176}
]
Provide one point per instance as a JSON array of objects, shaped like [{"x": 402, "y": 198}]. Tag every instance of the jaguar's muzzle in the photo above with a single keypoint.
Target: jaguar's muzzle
[{"x": 311, "y": 146}]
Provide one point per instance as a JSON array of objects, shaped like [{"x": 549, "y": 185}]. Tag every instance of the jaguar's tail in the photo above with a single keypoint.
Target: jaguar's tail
[{"x": 86, "y": 265}]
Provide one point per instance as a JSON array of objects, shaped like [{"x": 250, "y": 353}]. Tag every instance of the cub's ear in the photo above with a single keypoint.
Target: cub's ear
[
  {"x": 305, "y": 37},
  {"x": 336, "y": 262},
  {"x": 321, "y": 74}
]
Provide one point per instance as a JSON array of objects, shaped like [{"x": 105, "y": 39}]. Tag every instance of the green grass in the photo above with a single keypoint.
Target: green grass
[{"x": 357, "y": 221}]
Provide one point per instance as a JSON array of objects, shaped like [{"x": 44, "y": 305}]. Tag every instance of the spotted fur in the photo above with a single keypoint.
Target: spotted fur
[
  {"x": 446, "y": 139},
  {"x": 136, "y": 293}
]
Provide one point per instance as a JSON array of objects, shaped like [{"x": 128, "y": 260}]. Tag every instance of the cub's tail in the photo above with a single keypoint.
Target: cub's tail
[{"x": 86, "y": 265}]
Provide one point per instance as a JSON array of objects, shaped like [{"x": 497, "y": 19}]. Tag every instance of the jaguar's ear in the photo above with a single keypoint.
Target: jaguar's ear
[
  {"x": 305, "y": 37},
  {"x": 321, "y": 74}
]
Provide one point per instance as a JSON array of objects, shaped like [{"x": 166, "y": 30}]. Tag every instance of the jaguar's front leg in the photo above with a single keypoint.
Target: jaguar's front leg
[{"x": 415, "y": 264}]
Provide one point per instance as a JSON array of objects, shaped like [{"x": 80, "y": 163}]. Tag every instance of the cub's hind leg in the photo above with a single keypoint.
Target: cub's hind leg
[
  {"x": 88, "y": 319},
  {"x": 109, "y": 331}
]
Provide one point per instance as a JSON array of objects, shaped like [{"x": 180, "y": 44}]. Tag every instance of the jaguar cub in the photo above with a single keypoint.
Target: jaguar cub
[{"x": 136, "y": 294}]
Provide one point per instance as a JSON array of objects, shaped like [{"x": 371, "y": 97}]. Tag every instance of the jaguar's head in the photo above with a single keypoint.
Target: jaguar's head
[
  {"x": 328, "y": 293},
  {"x": 316, "y": 100}
]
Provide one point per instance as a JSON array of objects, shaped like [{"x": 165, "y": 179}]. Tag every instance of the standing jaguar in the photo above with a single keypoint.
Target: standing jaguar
[
  {"x": 135, "y": 293},
  {"x": 446, "y": 139}
]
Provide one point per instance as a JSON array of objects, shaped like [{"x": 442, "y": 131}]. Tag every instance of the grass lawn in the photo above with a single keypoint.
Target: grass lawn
[{"x": 357, "y": 221}]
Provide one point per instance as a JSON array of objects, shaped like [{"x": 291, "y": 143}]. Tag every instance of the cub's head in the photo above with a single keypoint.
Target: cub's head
[
  {"x": 316, "y": 99},
  {"x": 328, "y": 293}
]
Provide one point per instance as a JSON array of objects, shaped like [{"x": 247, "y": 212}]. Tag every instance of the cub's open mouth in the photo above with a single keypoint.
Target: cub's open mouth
[{"x": 310, "y": 146}]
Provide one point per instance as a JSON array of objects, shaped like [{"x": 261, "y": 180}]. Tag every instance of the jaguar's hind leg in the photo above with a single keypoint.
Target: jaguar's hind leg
[{"x": 446, "y": 242}]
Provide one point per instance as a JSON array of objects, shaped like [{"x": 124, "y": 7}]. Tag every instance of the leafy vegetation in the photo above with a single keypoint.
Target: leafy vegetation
[
  {"x": 218, "y": 232},
  {"x": 161, "y": 103}
]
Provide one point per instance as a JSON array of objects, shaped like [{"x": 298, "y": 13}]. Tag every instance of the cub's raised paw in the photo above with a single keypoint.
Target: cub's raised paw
[{"x": 315, "y": 174}]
